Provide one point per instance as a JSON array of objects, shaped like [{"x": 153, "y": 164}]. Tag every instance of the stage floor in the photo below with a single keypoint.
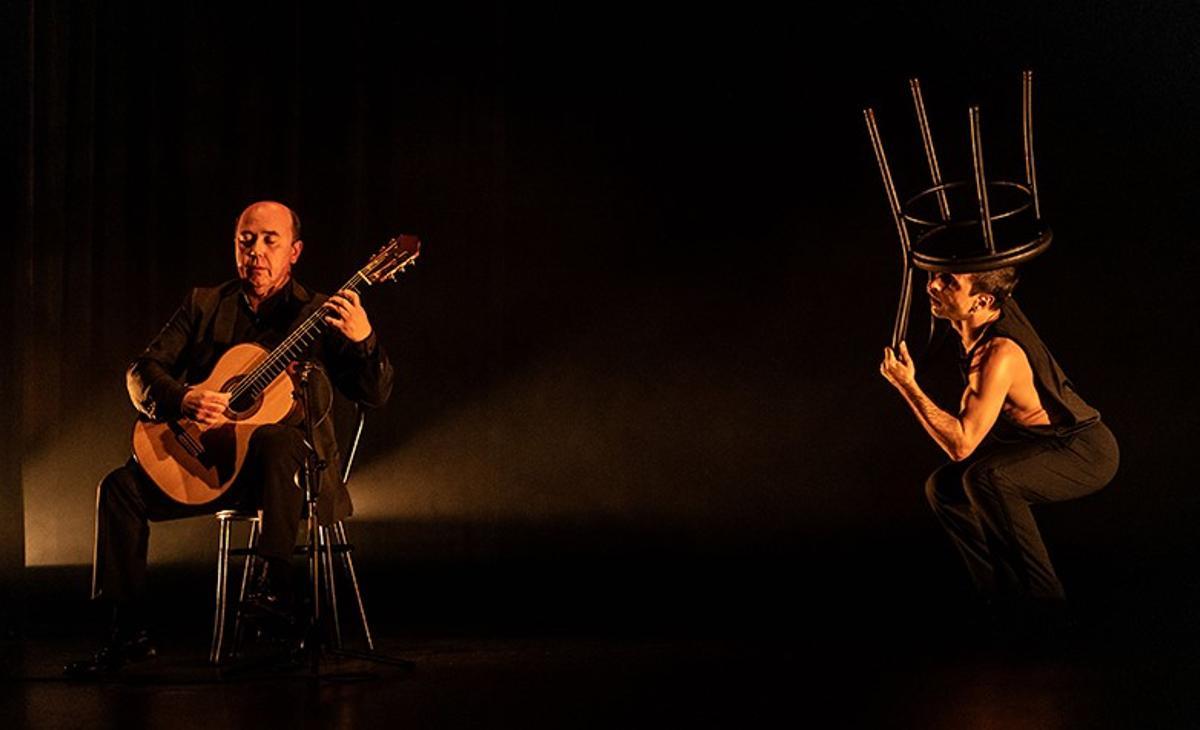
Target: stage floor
[
  {"x": 832, "y": 677},
  {"x": 681, "y": 643}
]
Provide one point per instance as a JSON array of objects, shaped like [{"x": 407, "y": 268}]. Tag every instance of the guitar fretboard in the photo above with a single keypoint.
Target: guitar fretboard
[{"x": 288, "y": 351}]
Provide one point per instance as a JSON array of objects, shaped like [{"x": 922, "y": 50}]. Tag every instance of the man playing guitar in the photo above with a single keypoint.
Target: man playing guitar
[{"x": 261, "y": 306}]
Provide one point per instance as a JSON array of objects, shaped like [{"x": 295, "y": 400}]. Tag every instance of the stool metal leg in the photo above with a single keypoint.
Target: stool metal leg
[
  {"x": 329, "y": 539},
  {"x": 251, "y": 543},
  {"x": 339, "y": 531},
  {"x": 214, "y": 655},
  {"x": 326, "y": 548}
]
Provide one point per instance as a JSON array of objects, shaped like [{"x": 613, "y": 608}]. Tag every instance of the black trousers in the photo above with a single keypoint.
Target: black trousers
[
  {"x": 983, "y": 503},
  {"x": 127, "y": 501}
]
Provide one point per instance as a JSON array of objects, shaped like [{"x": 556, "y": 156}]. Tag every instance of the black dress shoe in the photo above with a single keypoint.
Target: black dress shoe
[
  {"x": 270, "y": 593},
  {"x": 268, "y": 605},
  {"x": 112, "y": 657}
]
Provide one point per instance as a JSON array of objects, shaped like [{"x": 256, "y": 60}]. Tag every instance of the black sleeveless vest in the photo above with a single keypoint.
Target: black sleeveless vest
[{"x": 1068, "y": 412}]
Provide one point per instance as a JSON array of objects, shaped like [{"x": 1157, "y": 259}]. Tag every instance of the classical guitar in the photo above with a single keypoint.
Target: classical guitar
[{"x": 194, "y": 463}]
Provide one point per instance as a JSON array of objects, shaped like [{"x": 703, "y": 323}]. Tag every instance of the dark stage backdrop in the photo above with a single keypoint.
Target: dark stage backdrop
[{"x": 658, "y": 268}]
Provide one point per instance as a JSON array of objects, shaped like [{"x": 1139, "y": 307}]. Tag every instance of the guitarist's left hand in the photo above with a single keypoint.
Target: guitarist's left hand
[{"x": 345, "y": 313}]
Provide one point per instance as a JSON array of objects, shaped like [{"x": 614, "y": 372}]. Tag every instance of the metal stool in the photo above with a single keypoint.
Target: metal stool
[
  {"x": 225, "y": 518},
  {"x": 331, "y": 539}
]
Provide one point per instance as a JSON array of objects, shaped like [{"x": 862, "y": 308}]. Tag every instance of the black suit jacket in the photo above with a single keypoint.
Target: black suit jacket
[{"x": 202, "y": 329}]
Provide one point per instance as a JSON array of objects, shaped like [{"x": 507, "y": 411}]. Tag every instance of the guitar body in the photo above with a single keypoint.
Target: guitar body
[{"x": 193, "y": 463}]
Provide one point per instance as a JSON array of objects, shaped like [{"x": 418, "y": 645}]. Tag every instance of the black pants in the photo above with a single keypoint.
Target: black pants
[
  {"x": 127, "y": 500},
  {"x": 984, "y": 503}
]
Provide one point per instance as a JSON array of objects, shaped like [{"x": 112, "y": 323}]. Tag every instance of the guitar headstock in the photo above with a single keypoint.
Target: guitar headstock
[{"x": 396, "y": 255}]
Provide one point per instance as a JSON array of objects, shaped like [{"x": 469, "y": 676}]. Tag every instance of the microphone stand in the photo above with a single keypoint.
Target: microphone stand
[{"x": 310, "y": 476}]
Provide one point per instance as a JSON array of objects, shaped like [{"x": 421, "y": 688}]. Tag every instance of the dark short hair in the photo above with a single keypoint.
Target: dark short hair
[{"x": 997, "y": 282}]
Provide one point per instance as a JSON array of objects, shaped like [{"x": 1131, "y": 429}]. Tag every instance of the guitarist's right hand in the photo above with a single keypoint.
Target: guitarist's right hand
[{"x": 205, "y": 406}]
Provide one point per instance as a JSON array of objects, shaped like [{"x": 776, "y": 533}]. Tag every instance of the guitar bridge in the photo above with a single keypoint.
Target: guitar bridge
[{"x": 186, "y": 440}]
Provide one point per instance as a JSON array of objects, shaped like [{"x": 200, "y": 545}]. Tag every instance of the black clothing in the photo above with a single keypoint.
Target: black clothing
[
  {"x": 1067, "y": 411},
  {"x": 210, "y": 321},
  {"x": 983, "y": 502},
  {"x": 127, "y": 500}
]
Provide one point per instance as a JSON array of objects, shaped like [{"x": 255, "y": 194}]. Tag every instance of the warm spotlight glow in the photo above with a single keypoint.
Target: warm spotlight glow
[{"x": 59, "y": 480}]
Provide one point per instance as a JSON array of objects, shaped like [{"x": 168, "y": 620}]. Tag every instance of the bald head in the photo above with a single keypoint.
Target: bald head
[
  {"x": 270, "y": 205},
  {"x": 266, "y": 245}
]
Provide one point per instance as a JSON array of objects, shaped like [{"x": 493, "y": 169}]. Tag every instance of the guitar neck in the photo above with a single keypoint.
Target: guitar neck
[
  {"x": 292, "y": 347},
  {"x": 398, "y": 253}
]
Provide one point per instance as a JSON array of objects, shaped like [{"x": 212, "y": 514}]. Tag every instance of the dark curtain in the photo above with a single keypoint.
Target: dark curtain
[
  {"x": 657, "y": 252},
  {"x": 154, "y": 124},
  {"x": 139, "y": 132},
  {"x": 16, "y": 229}
]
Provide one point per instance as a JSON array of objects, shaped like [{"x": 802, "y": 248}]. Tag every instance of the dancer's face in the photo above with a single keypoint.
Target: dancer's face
[{"x": 950, "y": 297}]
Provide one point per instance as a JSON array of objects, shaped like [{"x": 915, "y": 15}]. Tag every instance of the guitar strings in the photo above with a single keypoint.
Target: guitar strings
[
  {"x": 314, "y": 321},
  {"x": 248, "y": 384}
]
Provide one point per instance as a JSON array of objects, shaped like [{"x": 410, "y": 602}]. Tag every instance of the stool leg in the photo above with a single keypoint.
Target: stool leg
[
  {"x": 330, "y": 588},
  {"x": 339, "y": 530},
  {"x": 251, "y": 543},
  {"x": 214, "y": 654}
]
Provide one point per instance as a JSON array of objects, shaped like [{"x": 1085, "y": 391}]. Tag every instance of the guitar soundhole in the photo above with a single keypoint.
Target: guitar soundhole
[{"x": 245, "y": 405}]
